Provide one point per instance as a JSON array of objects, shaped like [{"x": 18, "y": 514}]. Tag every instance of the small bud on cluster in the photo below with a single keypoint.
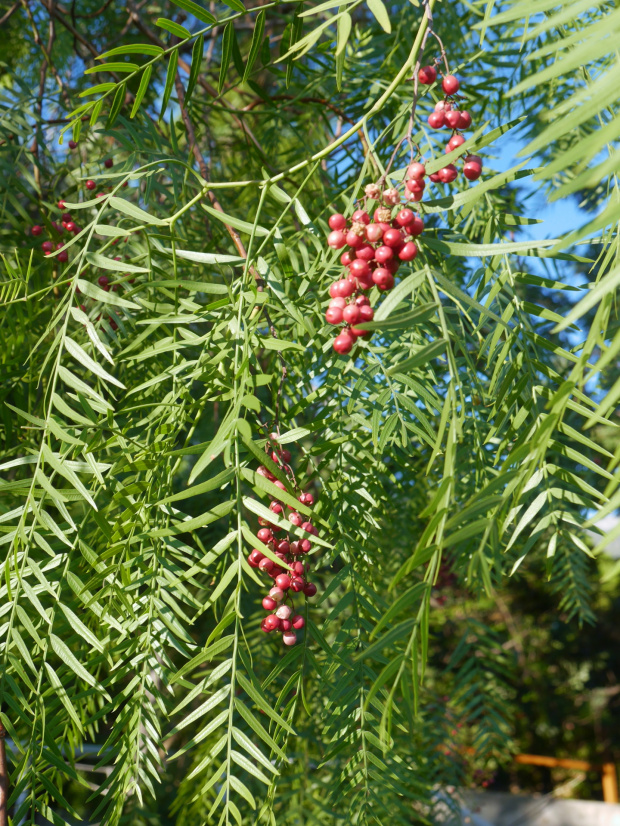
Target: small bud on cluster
[{"x": 288, "y": 571}]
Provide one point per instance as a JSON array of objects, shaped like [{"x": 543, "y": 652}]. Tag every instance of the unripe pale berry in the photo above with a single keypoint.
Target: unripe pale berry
[
  {"x": 277, "y": 594},
  {"x": 90, "y": 185},
  {"x": 361, "y": 216},
  {"x": 450, "y": 85},
  {"x": 298, "y": 621},
  {"x": 383, "y": 254},
  {"x": 452, "y": 118},
  {"x": 408, "y": 252},
  {"x": 337, "y": 221},
  {"x": 351, "y": 314},
  {"x": 383, "y": 278},
  {"x": 269, "y": 603},
  {"x": 343, "y": 343},
  {"x": 310, "y": 589},
  {"x": 289, "y": 638},
  {"x": 416, "y": 171},
  {"x": 391, "y": 196},
  {"x": 341, "y": 303},
  {"x": 454, "y": 142},
  {"x": 373, "y": 191},
  {"x": 283, "y": 612},
  {"x": 436, "y": 120},
  {"x": 336, "y": 239},
  {"x": 427, "y": 75},
  {"x": 262, "y": 470},
  {"x": 448, "y": 173},
  {"x": 333, "y": 315},
  {"x": 464, "y": 120},
  {"x": 283, "y": 581}
]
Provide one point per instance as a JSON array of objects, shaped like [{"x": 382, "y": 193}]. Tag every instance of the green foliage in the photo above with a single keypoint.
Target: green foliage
[{"x": 472, "y": 428}]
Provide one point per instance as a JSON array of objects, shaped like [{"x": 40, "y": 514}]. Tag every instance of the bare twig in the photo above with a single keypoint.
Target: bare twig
[{"x": 8, "y": 13}]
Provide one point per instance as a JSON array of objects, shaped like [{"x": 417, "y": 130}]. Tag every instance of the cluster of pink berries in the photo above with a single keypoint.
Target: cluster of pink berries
[
  {"x": 290, "y": 577},
  {"x": 376, "y": 248},
  {"x": 447, "y": 114}
]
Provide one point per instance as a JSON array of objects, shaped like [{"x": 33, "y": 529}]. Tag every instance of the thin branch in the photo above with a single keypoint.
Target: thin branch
[{"x": 10, "y": 12}]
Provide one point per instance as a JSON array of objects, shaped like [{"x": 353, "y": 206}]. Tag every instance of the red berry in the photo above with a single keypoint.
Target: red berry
[
  {"x": 392, "y": 266},
  {"x": 416, "y": 171},
  {"x": 436, "y": 120},
  {"x": 70, "y": 226},
  {"x": 336, "y": 239},
  {"x": 289, "y": 638},
  {"x": 361, "y": 301},
  {"x": 285, "y": 625},
  {"x": 472, "y": 171},
  {"x": 266, "y": 564},
  {"x": 333, "y": 315},
  {"x": 360, "y": 268},
  {"x": 435, "y": 177},
  {"x": 365, "y": 252},
  {"x": 415, "y": 186},
  {"x": 295, "y": 519},
  {"x": 47, "y": 246},
  {"x": 341, "y": 303},
  {"x": 346, "y": 258},
  {"x": 351, "y": 314},
  {"x": 103, "y": 281},
  {"x": 343, "y": 288},
  {"x": 283, "y": 581},
  {"x": 393, "y": 238},
  {"x": 265, "y": 535},
  {"x": 91, "y": 185},
  {"x": 367, "y": 313},
  {"x": 343, "y": 343},
  {"x": 452, "y": 118},
  {"x": 443, "y": 106},
  {"x": 374, "y": 232},
  {"x": 36, "y": 229},
  {"x": 295, "y": 548},
  {"x": 383, "y": 278},
  {"x": 297, "y": 584},
  {"x": 405, "y": 217},
  {"x": 354, "y": 240},
  {"x": 427, "y": 75},
  {"x": 298, "y": 568},
  {"x": 269, "y": 603},
  {"x": 450, "y": 85},
  {"x": 63, "y": 256},
  {"x": 256, "y": 556},
  {"x": 383, "y": 254},
  {"x": 361, "y": 216},
  {"x": 454, "y": 142},
  {"x": 337, "y": 221},
  {"x": 276, "y": 507},
  {"x": 271, "y": 622},
  {"x": 264, "y": 627},
  {"x": 108, "y": 163},
  {"x": 283, "y": 547},
  {"x": 262, "y": 470},
  {"x": 310, "y": 589},
  {"x": 408, "y": 252},
  {"x": 298, "y": 621},
  {"x": 448, "y": 173},
  {"x": 464, "y": 120}
]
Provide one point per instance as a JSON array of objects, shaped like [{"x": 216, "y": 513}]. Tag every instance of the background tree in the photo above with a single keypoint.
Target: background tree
[{"x": 469, "y": 440}]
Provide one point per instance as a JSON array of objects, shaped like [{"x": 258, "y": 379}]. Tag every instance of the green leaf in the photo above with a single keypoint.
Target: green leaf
[
  {"x": 144, "y": 85},
  {"x": 133, "y": 48},
  {"x": 198, "y": 11},
  {"x": 112, "y": 67},
  {"x": 424, "y": 355},
  {"x": 62, "y": 651},
  {"x": 96, "y": 293},
  {"x": 104, "y": 263},
  {"x": 82, "y": 357},
  {"x": 235, "y": 5},
  {"x": 242, "y": 226},
  {"x": 227, "y": 47},
  {"x": 133, "y": 211},
  {"x": 607, "y": 284},
  {"x": 377, "y": 7},
  {"x": 257, "y": 40},
  {"x": 97, "y": 90},
  {"x": 345, "y": 23},
  {"x": 197, "y": 52},
  {"x": 174, "y": 28},
  {"x": 119, "y": 99},
  {"x": 171, "y": 72}
]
